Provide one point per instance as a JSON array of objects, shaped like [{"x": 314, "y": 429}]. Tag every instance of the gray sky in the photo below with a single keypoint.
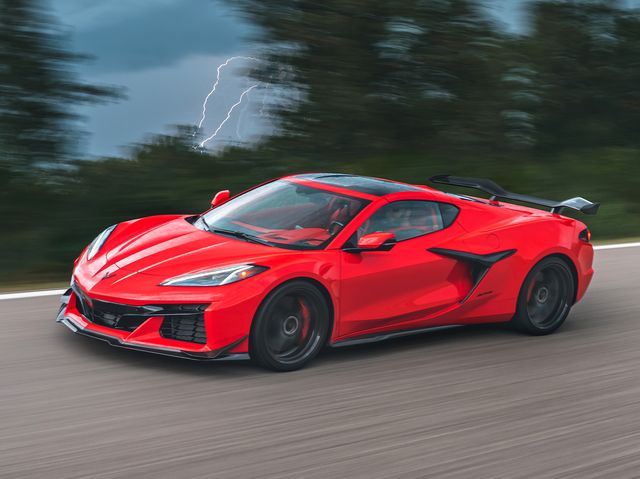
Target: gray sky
[{"x": 165, "y": 54}]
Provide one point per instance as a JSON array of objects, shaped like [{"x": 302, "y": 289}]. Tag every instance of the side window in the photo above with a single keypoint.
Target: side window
[
  {"x": 409, "y": 219},
  {"x": 449, "y": 214}
]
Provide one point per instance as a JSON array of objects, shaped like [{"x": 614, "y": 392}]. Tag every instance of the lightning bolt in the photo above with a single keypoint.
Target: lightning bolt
[
  {"x": 242, "y": 113},
  {"x": 264, "y": 99},
  {"x": 215, "y": 85},
  {"x": 233, "y": 107}
]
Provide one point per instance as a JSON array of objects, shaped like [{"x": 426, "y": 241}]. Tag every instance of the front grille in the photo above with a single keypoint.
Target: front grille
[
  {"x": 184, "y": 322},
  {"x": 184, "y": 328},
  {"x": 104, "y": 316}
]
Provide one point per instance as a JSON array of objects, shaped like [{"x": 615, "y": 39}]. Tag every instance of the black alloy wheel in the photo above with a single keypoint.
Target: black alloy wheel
[
  {"x": 290, "y": 327},
  {"x": 545, "y": 298}
]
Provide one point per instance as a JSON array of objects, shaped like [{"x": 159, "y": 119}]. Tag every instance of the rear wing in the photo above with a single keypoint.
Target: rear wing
[{"x": 497, "y": 192}]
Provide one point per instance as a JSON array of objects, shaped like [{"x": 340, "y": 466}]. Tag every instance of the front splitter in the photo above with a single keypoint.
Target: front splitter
[{"x": 221, "y": 354}]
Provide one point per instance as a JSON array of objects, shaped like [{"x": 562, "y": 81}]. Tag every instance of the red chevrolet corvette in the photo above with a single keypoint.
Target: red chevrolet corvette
[{"x": 281, "y": 270}]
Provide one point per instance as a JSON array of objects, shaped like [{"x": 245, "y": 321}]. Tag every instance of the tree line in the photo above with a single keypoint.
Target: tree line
[{"x": 397, "y": 88}]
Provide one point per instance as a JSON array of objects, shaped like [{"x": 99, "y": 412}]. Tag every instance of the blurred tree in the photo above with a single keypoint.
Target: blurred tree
[
  {"x": 376, "y": 75},
  {"x": 37, "y": 89},
  {"x": 578, "y": 55},
  {"x": 626, "y": 85},
  {"x": 38, "y": 130},
  {"x": 397, "y": 88}
]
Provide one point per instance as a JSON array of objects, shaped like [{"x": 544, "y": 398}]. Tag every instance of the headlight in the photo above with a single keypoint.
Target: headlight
[
  {"x": 97, "y": 243},
  {"x": 217, "y": 277}
]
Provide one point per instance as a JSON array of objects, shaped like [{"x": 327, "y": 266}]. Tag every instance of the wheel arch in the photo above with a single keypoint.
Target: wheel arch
[
  {"x": 328, "y": 298},
  {"x": 315, "y": 283}
]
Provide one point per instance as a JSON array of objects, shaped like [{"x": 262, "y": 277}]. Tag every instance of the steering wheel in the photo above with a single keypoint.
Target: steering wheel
[{"x": 330, "y": 228}]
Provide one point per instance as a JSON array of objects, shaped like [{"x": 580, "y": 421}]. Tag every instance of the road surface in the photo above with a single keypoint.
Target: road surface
[{"x": 481, "y": 402}]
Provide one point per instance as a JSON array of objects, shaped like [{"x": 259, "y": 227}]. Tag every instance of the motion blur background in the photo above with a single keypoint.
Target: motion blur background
[{"x": 541, "y": 96}]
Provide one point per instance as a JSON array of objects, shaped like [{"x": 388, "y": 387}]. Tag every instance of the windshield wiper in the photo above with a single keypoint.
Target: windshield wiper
[
  {"x": 205, "y": 223},
  {"x": 241, "y": 235}
]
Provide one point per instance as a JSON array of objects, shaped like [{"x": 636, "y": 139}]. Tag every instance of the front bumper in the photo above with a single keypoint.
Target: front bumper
[{"x": 142, "y": 339}]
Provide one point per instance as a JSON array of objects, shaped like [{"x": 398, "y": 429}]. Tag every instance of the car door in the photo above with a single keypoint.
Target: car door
[{"x": 407, "y": 286}]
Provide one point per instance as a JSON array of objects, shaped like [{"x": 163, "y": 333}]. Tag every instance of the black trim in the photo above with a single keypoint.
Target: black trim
[
  {"x": 480, "y": 263},
  {"x": 218, "y": 354},
  {"x": 64, "y": 299},
  {"x": 361, "y": 184},
  {"x": 374, "y": 338},
  {"x": 498, "y": 192},
  {"x": 386, "y": 246},
  {"x": 147, "y": 310},
  {"x": 124, "y": 317},
  {"x": 482, "y": 184}
]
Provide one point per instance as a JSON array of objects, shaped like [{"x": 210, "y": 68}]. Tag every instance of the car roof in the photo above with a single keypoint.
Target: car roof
[
  {"x": 368, "y": 186},
  {"x": 361, "y": 184}
]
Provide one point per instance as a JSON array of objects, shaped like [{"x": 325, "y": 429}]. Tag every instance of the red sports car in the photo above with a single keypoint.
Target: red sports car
[{"x": 281, "y": 270}]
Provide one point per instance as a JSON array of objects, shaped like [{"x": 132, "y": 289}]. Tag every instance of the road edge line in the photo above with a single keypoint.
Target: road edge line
[
  {"x": 58, "y": 292},
  {"x": 32, "y": 294}
]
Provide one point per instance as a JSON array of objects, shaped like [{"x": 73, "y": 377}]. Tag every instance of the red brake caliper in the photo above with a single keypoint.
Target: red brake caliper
[
  {"x": 532, "y": 286},
  {"x": 306, "y": 318}
]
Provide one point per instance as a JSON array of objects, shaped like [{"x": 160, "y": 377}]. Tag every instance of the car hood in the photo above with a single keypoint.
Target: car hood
[{"x": 177, "y": 247}]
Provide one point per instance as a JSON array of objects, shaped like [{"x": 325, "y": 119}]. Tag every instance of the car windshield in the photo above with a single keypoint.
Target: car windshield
[{"x": 283, "y": 214}]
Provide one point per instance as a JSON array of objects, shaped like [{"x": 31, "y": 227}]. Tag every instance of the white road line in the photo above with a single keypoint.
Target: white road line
[
  {"x": 58, "y": 292},
  {"x": 32, "y": 294},
  {"x": 616, "y": 246}
]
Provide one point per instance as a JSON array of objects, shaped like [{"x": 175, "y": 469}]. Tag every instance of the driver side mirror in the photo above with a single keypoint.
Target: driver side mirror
[
  {"x": 374, "y": 242},
  {"x": 220, "y": 198}
]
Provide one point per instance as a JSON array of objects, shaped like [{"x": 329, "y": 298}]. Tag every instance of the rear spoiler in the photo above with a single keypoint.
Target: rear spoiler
[{"x": 498, "y": 192}]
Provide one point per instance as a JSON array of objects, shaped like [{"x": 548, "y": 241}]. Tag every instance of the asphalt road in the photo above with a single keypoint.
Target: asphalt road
[{"x": 481, "y": 402}]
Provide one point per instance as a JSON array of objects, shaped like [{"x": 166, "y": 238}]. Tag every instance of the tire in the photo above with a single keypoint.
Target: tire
[
  {"x": 290, "y": 327},
  {"x": 545, "y": 298}
]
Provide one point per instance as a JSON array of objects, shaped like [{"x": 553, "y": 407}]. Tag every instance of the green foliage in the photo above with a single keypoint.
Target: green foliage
[
  {"x": 381, "y": 75},
  {"x": 37, "y": 88},
  {"x": 399, "y": 89},
  {"x": 584, "y": 62}
]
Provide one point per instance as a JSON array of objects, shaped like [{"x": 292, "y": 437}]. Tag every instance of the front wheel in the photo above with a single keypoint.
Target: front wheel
[
  {"x": 545, "y": 298},
  {"x": 290, "y": 327}
]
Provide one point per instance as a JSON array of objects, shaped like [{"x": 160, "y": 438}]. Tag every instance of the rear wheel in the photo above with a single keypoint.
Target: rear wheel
[
  {"x": 545, "y": 298},
  {"x": 290, "y": 327}
]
